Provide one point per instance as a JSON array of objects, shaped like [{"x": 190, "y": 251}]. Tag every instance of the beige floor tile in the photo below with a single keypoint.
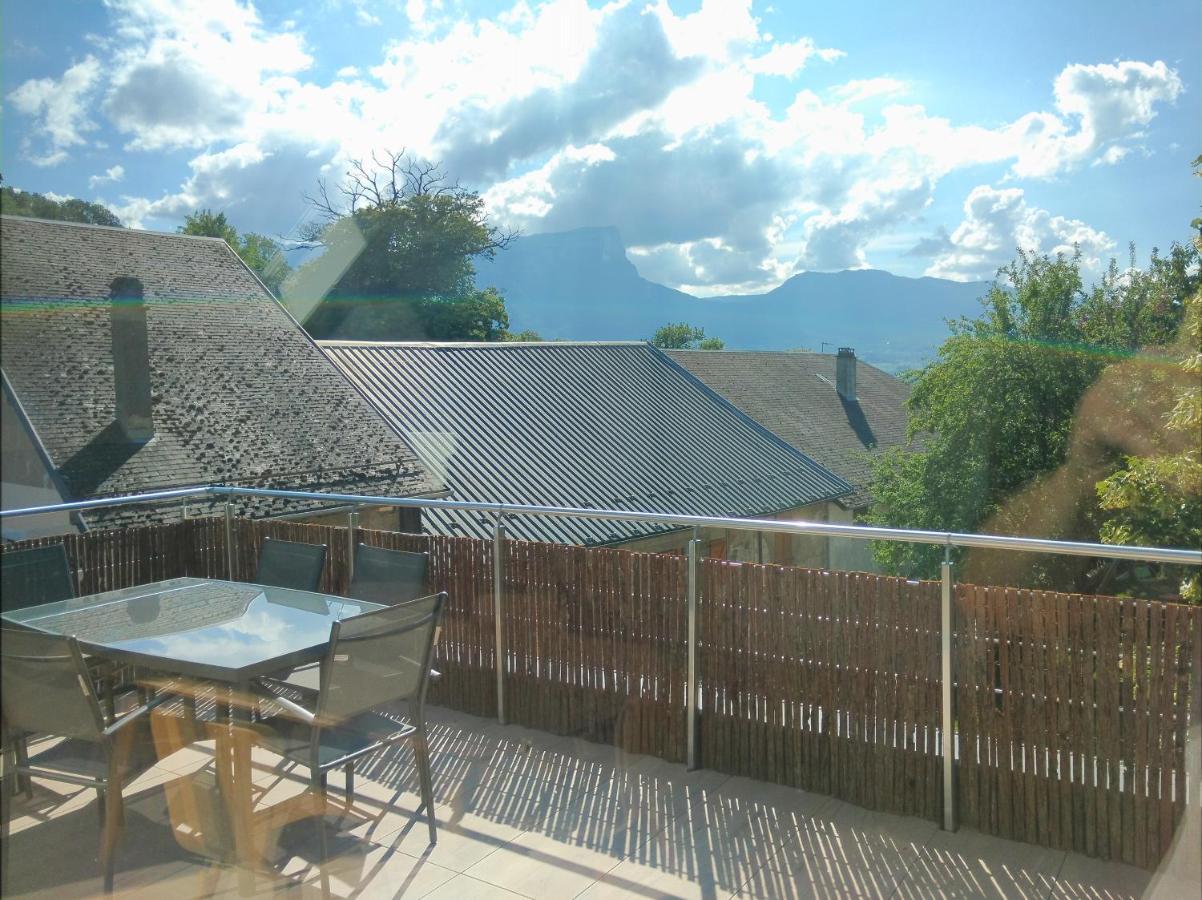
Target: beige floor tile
[
  {"x": 464, "y": 887},
  {"x": 366, "y": 870},
  {"x": 539, "y": 865},
  {"x": 970, "y": 865},
  {"x": 1082, "y": 878}
]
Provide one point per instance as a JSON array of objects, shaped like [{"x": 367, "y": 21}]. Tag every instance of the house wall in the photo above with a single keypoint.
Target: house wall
[
  {"x": 748, "y": 546},
  {"x": 807, "y": 551},
  {"x": 379, "y": 518},
  {"x": 25, "y": 481}
]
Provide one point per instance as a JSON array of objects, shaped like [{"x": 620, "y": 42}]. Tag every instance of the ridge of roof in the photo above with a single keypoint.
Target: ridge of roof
[
  {"x": 478, "y": 345},
  {"x": 122, "y": 228}
]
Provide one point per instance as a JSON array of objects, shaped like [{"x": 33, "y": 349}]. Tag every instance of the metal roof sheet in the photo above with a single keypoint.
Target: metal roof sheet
[{"x": 600, "y": 425}]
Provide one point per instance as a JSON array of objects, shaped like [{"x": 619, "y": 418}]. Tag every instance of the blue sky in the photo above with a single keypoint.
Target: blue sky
[{"x": 731, "y": 143}]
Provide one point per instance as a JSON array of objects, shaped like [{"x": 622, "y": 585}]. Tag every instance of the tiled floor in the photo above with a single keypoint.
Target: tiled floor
[{"x": 521, "y": 813}]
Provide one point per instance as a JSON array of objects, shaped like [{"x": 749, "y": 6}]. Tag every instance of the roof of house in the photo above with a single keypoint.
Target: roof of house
[
  {"x": 590, "y": 425},
  {"x": 793, "y": 395},
  {"x": 241, "y": 395}
]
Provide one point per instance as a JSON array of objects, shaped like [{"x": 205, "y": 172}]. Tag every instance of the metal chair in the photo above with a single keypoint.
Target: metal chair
[
  {"x": 45, "y": 688},
  {"x": 290, "y": 564},
  {"x": 40, "y": 575},
  {"x": 381, "y": 576},
  {"x": 374, "y": 659},
  {"x": 388, "y": 577},
  {"x": 35, "y": 576}
]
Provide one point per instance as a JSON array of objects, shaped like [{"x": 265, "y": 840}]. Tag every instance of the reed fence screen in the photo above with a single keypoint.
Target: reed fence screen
[{"x": 1072, "y": 711}]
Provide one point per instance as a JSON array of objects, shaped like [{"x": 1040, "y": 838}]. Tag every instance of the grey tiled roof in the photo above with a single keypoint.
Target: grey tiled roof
[
  {"x": 793, "y": 395},
  {"x": 241, "y": 395},
  {"x": 592, "y": 425}
]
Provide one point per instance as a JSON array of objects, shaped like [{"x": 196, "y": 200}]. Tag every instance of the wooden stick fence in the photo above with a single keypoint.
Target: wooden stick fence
[{"x": 1072, "y": 711}]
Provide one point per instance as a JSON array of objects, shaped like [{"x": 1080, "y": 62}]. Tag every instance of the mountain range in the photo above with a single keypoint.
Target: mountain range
[{"x": 580, "y": 285}]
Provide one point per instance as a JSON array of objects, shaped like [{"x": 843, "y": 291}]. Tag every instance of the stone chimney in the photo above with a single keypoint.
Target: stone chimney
[
  {"x": 845, "y": 374},
  {"x": 131, "y": 359}
]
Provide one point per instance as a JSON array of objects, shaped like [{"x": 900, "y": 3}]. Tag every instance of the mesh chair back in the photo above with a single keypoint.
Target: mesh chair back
[
  {"x": 388, "y": 576},
  {"x": 379, "y": 657},
  {"x": 44, "y": 686},
  {"x": 35, "y": 576},
  {"x": 290, "y": 564}
]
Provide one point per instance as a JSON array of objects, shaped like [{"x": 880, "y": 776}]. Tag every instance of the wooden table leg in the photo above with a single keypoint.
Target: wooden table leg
[{"x": 242, "y": 797}]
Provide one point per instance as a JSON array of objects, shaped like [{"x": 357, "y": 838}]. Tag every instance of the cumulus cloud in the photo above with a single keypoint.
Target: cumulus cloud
[
  {"x": 59, "y": 108},
  {"x": 1108, "y": 102},
  {"x": 999, "y": 221},
  {"x": 112, "y": 175},
  {"x": 563, "y": 114},
  {"x": 196, "y": 71},
  {"x": 789, "y": 59}
]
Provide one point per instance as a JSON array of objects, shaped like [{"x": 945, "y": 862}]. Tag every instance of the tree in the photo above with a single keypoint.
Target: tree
[
  {"x": 410, "y": 237},
  {"x": 681, "y": 336},
  {"x": 261, "y": 254},
  {"x": 1156, "y": 500},
  {"x": 14, "y": 202},
  {"x": 995, "y": 416}
]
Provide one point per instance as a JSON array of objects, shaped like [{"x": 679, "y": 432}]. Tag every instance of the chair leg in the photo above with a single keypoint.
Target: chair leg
[
  {"x": 421, "y": 752},
  {"x": 350, "y": 785},
  {"x": 6, "y": 801},
  {"x": 111, "y": 832},
  {"x": 319, "y": 788},
  {"x": 21, "y": 752}
]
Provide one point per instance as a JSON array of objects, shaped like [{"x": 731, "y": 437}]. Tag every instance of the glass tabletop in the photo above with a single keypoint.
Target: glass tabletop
[{"x": 223, "y": 630}]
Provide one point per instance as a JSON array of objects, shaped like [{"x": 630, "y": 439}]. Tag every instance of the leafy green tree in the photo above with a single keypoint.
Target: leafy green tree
[
  {"x": 995, "y": 413},
  {"x": 1156, "y": 500},
  {"x": 263, "y": 255},
  {"x": 410, "y": 238},
  {"x": 529, "y": 336},
  {"x": 14, "y": 202},
  {"x": 681, "y": 336}
]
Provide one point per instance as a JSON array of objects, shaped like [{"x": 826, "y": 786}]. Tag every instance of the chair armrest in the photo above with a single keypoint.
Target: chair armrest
[
  {"x": 289, "y": 706},
  {"x": 136, "y": 713}
]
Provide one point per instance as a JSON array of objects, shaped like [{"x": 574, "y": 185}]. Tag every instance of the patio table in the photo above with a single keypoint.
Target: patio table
[{"x": 224, "y": 632}]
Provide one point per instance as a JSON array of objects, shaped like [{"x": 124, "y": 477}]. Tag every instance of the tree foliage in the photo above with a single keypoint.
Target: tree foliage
[
  {"x": 681, "y": 336},
  {"x": 263, "y": 255},
  {"x": 14, "y": 202},
  {"x": 994, "y": 417},
  {"x": 414, "y": 236},
  {"x": 1156, "y": 500}
]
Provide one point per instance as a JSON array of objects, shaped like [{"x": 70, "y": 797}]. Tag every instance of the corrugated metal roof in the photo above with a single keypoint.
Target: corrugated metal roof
[{"x": 593, "y": 425}]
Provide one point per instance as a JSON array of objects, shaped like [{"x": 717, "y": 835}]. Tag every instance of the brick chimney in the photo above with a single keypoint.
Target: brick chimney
[
  {"x": 131, "y": 359},
  {"x": 845, "y": 374}
]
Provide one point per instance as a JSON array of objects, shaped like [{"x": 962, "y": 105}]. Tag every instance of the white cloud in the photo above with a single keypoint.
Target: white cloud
[
  {"x": 59, "y": 109},
  {"x": 862, "y": 89},
  {"x": 112, "y": 174},
  {"x": 789, "y": 59},
  {"x": 1107, "y": 102},
  {"x": 195, "y": 71},
  {"x": 565, "y": 114},
  {"x": 999, "y": 222}
]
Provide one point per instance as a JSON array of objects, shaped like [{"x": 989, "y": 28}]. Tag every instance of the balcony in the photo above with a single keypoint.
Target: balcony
[
  {"x": 526, "y": 813},
  {"x": 812, "y": 762}
]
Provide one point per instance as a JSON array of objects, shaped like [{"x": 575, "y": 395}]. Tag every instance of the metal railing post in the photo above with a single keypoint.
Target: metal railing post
[
  {"x": 352, "y": 524},
  {"x": 691, "y": 693},
  {"x": 229, "y": 540},
  {"x": 498, "y": 591},
  {"x": 948, "y": 727}
]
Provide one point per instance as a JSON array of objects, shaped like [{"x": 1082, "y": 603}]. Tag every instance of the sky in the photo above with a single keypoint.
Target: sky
[{"x": 731, "y": 143}]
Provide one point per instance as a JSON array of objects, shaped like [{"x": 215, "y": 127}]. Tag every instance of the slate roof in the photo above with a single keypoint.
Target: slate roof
[
  {"x": 241, "y": 395},
  {"x": 793, "y": 395},
  {"x": 594, "y": 425}
]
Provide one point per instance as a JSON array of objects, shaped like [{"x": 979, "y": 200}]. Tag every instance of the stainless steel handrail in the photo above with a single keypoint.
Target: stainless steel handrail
[{"x": 824, "y": 529}]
